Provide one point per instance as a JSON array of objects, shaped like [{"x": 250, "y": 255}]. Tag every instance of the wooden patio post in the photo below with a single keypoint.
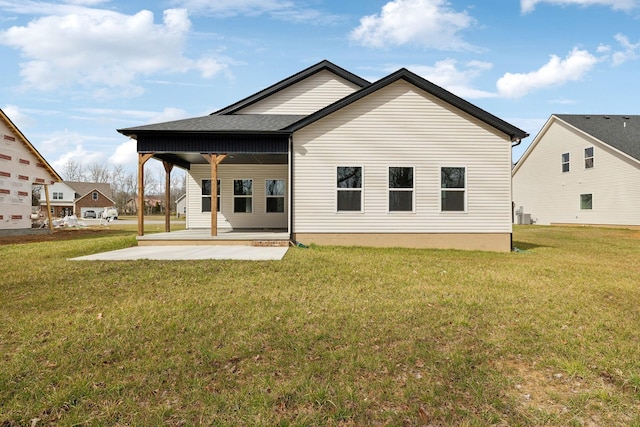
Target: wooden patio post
[
  {"x": 142, "y": 159},
  {"x": 214, "y": 160},
  {"x": 46, "y": 196},
  {"x": 168, "y": 167}
]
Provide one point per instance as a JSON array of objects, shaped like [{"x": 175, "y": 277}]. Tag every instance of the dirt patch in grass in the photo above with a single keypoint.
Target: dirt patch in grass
[{"x": 59, "y": 234}]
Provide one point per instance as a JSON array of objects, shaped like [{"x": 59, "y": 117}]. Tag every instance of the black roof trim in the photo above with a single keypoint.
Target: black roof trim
[
  {"x": 320, "y": 66},
  {"x": 499, "y": 124}
]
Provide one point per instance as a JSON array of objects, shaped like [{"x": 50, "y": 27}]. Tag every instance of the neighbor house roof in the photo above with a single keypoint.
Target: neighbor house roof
[
  {"x": 621, "y": 132},
  {"x": 404, "y": 74},
  {"x": 289, "y": 81},
  {"x": 30, "y": 146},
  {"x": 84, "y": 188}
]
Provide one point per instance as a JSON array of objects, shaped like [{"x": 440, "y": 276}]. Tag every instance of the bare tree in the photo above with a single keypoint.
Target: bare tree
[
  {"x": 97, "y": 172},
  {"x": 73, "y": 171}
]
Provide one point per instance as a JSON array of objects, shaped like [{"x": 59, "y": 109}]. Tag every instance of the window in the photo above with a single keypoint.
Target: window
[
  {"x": 453, "y": 188},
  {"x": 242, "y": 195},
  {"x": 274, "y": 191},
  {"x": 349, "y": 185},
  {"x": 94, "y": 196},
  {"x": 588, "y": 158},
  {"x": 206, "y": 195},
  {"x": 565, "y": 162},
  {"x": 57, "y": 195},
  {"x": 400, "y": 189},
  {"x": 586, "y": 201}
]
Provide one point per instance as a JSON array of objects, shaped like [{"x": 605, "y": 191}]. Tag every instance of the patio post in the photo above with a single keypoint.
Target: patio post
[
  {"x": 142, "y": 159},
  {"x": 214, "y": 160},
  {"x": 168, "y": 167}
]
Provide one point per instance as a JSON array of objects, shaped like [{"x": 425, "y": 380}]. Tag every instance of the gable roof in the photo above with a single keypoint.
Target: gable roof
[
  {"x": 30, "y": 146},
  {"x": 514, "y": 133},
  {"x": 84, "y": 188},
  {"x": 621, "y": 132},
  {"x": 289, "y": 81}
]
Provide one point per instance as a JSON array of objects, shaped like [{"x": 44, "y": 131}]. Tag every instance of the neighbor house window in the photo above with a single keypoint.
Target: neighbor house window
[
  {"x": 349, "y": 188},
  {"x": 242, "y": 195},
  {"x": 206, "y": 195},
  {"x": 452, "y": 189},
  {"x": 588, "y": 158},
  {"x": 586, "y": 201},
  {"x": 57, "y": 195},
  {"x": 94, "y": 196},
  {"x": 274, "y": 192},
  {"x": 565, "y": 162},
  {"x": 401, "y": 189}
]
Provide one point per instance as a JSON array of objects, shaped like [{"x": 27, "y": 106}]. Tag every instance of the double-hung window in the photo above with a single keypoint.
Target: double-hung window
[
  {"x": 349, "y": 188},
  {"x": 453, "y": 188},
  {"x": 588, "y": 158},
  {"x": 206, "y": 195},
  {"x": 94, "y": 196},
  {"x": 401, "y": 189},
  {"x": 274, "y": 192},
  {"x": 565, "y": 162},
  {"x": 242, "y": 195},
  {"x": 57, "y": 195}
]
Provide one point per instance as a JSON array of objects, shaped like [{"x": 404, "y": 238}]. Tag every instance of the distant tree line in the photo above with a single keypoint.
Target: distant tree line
[{"x": 124, "y": 183}]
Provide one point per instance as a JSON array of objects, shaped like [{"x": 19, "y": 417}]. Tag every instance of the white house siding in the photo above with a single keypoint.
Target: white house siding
[
  {"x": 401, "y": 125},
  {"x": 553, "y": 197},
  {"x": 259, "y": 218},
  {"x": 20, "y": 168},
  {"x": 305, "y": 97}
]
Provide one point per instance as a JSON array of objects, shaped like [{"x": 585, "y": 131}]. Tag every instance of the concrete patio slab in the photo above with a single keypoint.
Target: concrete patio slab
[{"x": 249, "y": 253}]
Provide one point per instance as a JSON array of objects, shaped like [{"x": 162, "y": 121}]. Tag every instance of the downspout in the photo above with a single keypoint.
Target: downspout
[
  {"x": 514, "y": 143},
  {"x": 290, "y": 188}
]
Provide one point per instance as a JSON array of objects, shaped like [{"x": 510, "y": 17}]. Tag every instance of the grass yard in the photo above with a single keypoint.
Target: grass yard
[{"x": 335, "y": 336}]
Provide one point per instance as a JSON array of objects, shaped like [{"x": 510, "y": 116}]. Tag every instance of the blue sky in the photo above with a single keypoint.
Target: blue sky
[{"x": 75, "y": 71}]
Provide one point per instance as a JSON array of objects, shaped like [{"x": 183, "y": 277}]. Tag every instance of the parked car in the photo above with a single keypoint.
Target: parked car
[
  {"x": 89, "y": 214},
  {"x": 109, "y": 213}
]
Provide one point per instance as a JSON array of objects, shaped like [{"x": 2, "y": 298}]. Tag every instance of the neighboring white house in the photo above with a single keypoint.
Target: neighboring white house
[
  {"x": 181, "y": 206},
  {"x": 21, "y": 167},
  {"x": 334, "y": 159},
  {"x": 581, "y": 169}
]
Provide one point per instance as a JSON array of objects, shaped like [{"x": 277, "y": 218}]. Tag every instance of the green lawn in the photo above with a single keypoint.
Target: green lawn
[{"x": 549, "y": 335}]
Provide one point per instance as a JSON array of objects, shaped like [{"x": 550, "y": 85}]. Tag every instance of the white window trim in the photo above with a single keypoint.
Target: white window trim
[
  {"x": 465, "y": 189},
  {"x": 413, "y": 189},
  {"x": 568, "y": 163},
  {"x": 585, "y": 209},
  {"x": 593, "y": 155},
  {"x": 95, "y": 196},
  {"x": 253, "y": 190},
  {"x": 335, "y": 175},
  {"x": 283, "y": 197},
  {"x": 210, "y": 195}
]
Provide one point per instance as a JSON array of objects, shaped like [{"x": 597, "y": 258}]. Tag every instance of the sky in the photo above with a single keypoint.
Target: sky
[{"x": 74, "y": 71}]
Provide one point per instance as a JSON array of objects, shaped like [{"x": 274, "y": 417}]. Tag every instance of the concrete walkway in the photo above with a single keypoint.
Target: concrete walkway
[{"x": 250, "y": 253}]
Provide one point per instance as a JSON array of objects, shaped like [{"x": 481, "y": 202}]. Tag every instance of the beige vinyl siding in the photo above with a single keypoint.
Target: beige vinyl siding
[
  {"x": 553, "y": 197},
  {"x": 15, "y": 207},
  {"x": 305, "y": 97},
  {"x": 401, "y": 125},
  {"x": 259, "y": 218}
]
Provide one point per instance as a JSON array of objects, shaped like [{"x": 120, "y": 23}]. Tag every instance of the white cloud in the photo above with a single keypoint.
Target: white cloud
[
  {"x": 126, "y": 154},
  {"x": 455, "y": 78},
  {"x": 555, "y": 72},
  {"x": 527, "y": 6},
  {"x": 95, "y": 47},
  {"x": 427, "y": 23},
  {"x": 21, "y": 119},
  {"x": 631, "y": 50}
]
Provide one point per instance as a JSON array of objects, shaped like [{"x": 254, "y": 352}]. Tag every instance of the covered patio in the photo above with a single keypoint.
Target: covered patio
[{"x": 243, "y": 142}]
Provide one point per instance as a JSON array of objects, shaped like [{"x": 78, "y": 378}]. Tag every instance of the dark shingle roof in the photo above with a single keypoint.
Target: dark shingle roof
[
  {"x": 217, "y": 123},
  {"x": 499, "y": 124},
  {"x": 320, "y": 66},
  {"x": 621, "y": 132}
]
